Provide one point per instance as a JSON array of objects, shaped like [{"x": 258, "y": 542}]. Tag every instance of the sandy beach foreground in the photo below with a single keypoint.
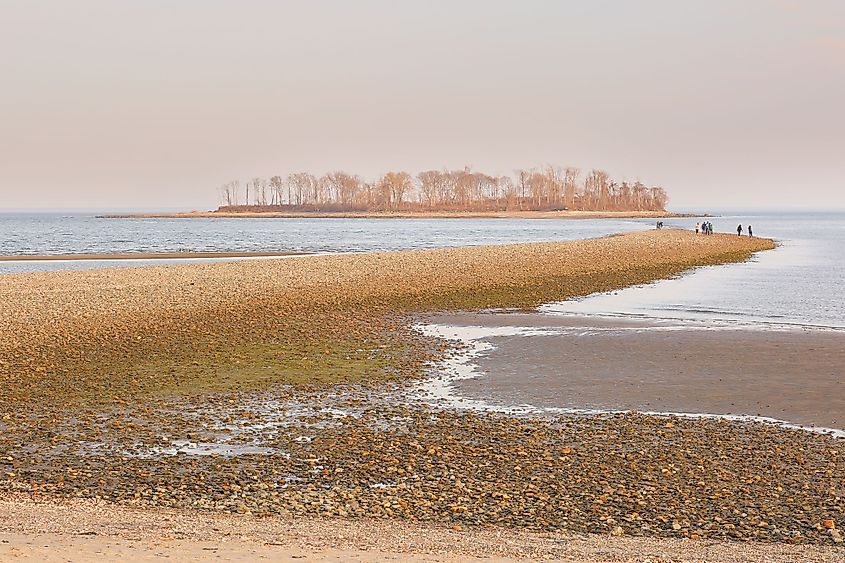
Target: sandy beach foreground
[
  {"x": 290, "y": 389},
  {"x": 96, "y": 531}
]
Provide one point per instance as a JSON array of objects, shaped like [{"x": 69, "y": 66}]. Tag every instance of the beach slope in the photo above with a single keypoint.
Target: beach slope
[{"x": 126, "y": 331}]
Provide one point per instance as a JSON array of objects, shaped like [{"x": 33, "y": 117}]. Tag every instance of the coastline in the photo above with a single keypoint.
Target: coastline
[
  {"x": 286, "y": 389},
  {"x": 96, "y": 322},
  {"x": 408, "y": 215}
]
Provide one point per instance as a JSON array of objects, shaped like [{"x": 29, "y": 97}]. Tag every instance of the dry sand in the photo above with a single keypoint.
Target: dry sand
[{"x": 86, "y": 530}]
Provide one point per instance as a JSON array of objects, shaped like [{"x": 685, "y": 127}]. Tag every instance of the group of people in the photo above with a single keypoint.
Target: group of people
[
  {"x": 705, "y": 228},
  {"x": 739, "y": 231}
]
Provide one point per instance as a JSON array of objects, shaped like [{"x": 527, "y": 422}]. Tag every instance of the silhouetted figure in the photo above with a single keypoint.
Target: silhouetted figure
[
  {"x": 749, "y": 231},
  {"x": 739, "y": 230}
]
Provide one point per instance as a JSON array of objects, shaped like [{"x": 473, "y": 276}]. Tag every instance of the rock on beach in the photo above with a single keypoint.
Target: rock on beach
[{"x": 279, "y": 388}]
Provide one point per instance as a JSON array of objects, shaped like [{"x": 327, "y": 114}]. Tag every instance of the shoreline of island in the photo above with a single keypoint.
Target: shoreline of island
[{"x": 515, "y": 214}]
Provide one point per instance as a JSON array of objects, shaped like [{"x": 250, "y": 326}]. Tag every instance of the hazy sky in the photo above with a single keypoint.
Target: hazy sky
[{"x": 153, "y": 104}]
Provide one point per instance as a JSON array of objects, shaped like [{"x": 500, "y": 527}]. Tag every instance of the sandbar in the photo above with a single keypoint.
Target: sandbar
[{"x": 61, "y": 325}]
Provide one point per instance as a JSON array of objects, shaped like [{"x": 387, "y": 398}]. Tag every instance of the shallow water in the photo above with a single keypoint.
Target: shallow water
[
  {"x": 507, "y": 367},
  {"x": 54, "y": 234},
  {"x": 799, "y": 284},
  {"x": 796, "y": 287}
]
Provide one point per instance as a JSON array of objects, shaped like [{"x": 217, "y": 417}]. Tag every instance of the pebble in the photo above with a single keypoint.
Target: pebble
[{"x": 191, "y": 387}]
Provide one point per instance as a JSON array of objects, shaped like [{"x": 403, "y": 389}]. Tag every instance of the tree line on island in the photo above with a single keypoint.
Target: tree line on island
[{"x": 550, "y": 188}]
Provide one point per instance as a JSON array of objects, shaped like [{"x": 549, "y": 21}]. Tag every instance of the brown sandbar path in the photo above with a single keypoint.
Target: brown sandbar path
[{"x": 93, "y": 325}]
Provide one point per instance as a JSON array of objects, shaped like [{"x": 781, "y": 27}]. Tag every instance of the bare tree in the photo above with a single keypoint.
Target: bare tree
[
  {"x": 546, "y": 188},
  {"x": 228, "y": 193},
  {"x": 304, "y": 187},
  {"x": 276, "y": 186},
  {"x": 392, "y": 188},
  {"x": 522, "y": 179},
  {"x": 570, "y": 183},
  {"x": 431, "y": 187},
  {"x": 343, "y": 189}
]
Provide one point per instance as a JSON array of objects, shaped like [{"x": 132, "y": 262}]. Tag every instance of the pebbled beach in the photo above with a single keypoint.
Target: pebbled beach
[
  {"x": 288, "y": 388},
  {"x": 199, "y": 322}
]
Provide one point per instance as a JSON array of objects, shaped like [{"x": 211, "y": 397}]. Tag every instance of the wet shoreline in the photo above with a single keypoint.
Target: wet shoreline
[{"x": 537, "y": 362}]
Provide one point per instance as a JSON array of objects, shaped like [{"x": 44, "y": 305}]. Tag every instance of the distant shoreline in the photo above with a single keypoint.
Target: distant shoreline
[
  {"x": 407, "y": 215},
  {"x": 146, "y": 256}
]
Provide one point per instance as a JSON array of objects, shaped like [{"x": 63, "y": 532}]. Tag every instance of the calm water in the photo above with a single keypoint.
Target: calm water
[
  {"x": 798, "y": 284},
  {"x": 80, "y": 234}
]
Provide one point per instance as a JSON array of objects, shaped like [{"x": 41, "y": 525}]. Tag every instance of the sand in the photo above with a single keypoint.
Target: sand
[
  {"x": 791, "y": 375},
  {"x": 126, "y": 363},
  {"x": 89, "y": 326},
  {"x": 85, "y": 530}
]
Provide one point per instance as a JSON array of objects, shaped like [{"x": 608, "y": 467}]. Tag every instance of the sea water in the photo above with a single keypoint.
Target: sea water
[
  {"x": 800, "y": 284},
  {"x": 58, "y": 234}
]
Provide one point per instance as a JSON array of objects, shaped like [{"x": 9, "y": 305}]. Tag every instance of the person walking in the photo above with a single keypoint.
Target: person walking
[
  {"x": 739, "y": 230},
  {"x": 750, "y": 234}
]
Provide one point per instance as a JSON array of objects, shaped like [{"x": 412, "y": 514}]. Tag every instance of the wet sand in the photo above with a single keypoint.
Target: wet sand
[{"x": 592, "y": 363}]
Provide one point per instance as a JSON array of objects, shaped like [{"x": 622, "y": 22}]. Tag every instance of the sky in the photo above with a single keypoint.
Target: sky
[{"x": 154, "y": 104}]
